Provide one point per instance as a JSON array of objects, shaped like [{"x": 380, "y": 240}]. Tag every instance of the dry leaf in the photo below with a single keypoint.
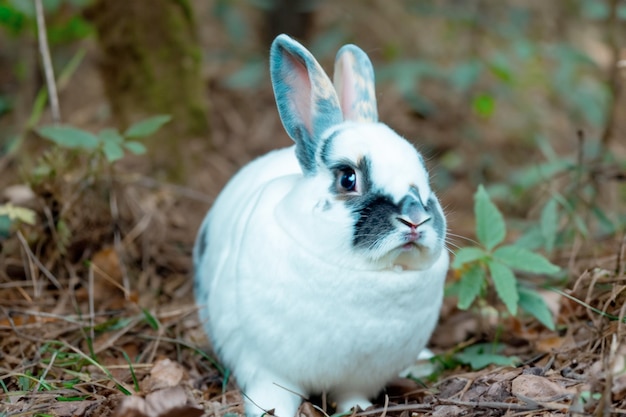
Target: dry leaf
[
  {"x": 170, "y": 402},
  {"x": 536, "y": 387},
  {"x": 308, "y": 410},
  {"x": 107, "y": 270},
  {"x": 165, "y": 373},
  {"x": 447, "y": 410},
  {"x": 549, "y": 344}
]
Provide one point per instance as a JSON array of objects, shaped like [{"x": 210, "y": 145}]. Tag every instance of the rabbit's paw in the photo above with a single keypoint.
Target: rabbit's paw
[
  {"x": 266, "y": 396},
  {"x": 349, "y": 400}
]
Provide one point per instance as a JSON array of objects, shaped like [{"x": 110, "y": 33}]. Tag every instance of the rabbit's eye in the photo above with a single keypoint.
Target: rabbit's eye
[{"x": 346, "y": 180}]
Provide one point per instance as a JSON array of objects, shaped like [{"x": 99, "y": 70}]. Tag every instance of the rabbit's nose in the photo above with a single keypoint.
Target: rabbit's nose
[
  {"x": 411, "y": 223},
  {"x": 412, "y": 211}
]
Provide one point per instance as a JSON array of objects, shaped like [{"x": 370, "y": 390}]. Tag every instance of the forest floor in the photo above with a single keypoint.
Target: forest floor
[{"x": 98, "y": 319}]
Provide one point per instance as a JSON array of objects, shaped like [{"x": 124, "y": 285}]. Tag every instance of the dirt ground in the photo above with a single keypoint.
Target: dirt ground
[{"x": 104, "y": 309}]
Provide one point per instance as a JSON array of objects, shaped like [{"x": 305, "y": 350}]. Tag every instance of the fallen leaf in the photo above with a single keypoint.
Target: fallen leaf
[
  {"x": 536, "y": 387},
  {"x": 165, "y": 373},
  {"x": 170, "y": 402},
  {"x": 549, "y": 344},
  {"x": 447, "y": 410},
  {"x": 107, "y": 272}
]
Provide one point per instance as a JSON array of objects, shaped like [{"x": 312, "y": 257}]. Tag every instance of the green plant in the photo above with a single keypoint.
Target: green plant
[
  {"x": 567, "y": 192},
  {"x": 108, "y": 143},
  {"x": 498, "y": 261},
  {"x": 18, "y": 16},
  {"x": 481, "y": 355}
]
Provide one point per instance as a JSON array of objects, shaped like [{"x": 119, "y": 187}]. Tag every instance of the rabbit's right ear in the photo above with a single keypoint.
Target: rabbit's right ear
[{"x": 306, "y": 99}]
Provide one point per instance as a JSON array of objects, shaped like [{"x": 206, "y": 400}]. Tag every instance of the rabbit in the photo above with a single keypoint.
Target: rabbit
[{"x": 320, "y": 267}]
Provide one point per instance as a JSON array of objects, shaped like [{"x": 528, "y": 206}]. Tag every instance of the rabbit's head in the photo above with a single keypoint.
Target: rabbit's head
[{"x": 364, "y": 198}]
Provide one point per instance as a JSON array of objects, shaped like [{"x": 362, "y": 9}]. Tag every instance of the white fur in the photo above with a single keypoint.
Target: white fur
[{"x": 291, "y": 306}]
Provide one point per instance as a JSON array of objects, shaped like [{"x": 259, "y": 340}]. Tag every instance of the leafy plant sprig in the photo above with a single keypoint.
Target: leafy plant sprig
[
  {"x": 109, "y": 142},
  {"x": 499, "y": 261}
]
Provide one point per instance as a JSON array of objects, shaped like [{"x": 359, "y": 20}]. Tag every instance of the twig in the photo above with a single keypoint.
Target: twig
[
  {"x": 397, "y": 408},
  {"x": 117, "y": 239},
  {"x": 37, "y": 262},
  {"x": 385, "y": 407},
  {"x": 620, "y": 256},
  {"x": 92, "y": 318},
  {"x": 47, "y": 63},
  {"x": 614, "y": 74}
]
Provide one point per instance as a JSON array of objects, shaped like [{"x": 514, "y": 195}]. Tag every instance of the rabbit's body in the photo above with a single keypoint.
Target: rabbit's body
[{"x": 321, "y": 269}]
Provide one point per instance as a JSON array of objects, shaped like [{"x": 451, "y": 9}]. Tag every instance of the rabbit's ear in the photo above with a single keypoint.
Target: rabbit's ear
[
  {"x": 307, "y": 102},
  {"x": 354, "y": 82}
]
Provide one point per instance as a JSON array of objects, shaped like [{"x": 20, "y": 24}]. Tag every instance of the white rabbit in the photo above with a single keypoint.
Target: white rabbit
[{"x": 320, "y": 267}]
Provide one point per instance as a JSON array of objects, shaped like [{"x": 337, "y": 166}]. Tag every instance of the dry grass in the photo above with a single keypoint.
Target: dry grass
[
  {"x": 101, "y": 310},
  {"x": 107, "y": 312}
]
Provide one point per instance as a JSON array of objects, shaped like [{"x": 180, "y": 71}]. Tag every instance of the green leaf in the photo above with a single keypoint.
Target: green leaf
[
  {"x": 524, "y": 260},
  {"x": 470, "y": 286},
  {"x": 484, "y": 105},
  {"x": 531, "y": 302},
  {"x": 505, "y": 284},
  {"x": 112, "y": 151},
  {"x": 147, "y": 127},
  {"x": 5, "y": 226},
  {"x": 69, "y": 137},
  {"x": 467, "y": 255},
  {"x": 247, "y": 77},
  {"x": 490, "y": 227},
  {"x": 150, "y": 319},
  {"x": 136, "y": 148},
  {"x": 465, "y": 75},
  {"x": 484, "y": 354},
  {"x": 532, "y": 239},
  {"x": 549, "y": 222},
  {"x": 536, "y": 174},
  {"x": 607, "y": 225},
  {"x": 110, "y": 135}
]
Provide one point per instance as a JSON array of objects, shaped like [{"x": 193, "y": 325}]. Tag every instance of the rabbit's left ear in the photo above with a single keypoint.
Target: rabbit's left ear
[
  {"x": 354, "y": 83},
  {"x": 307, "y": 102}
]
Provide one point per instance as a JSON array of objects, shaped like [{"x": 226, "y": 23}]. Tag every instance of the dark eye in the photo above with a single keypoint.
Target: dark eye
[{"x": 346, "y": 180}]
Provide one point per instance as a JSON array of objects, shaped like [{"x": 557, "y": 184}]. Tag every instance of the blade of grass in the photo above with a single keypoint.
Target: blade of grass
[
  {"x": 98, "y": 365},
  {"x": 74, "y": 398},
  {"x": 200, "y": 352},
  {"x": 25, "y": 376},
  {"x": 582, "y": 303},
  {"x": 132, "y": 371},
  {"x": 45, "y": 372},
  {"x": 152, "y": 321}
]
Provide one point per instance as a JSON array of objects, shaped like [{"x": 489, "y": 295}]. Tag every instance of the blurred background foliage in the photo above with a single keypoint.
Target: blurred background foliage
[
  {"x": 521, "y": 99},
  {"x": 523, "y": 96}
]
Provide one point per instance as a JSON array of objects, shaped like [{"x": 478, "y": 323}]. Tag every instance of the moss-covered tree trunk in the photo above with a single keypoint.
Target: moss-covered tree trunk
[{"x": 151, "y": 64}]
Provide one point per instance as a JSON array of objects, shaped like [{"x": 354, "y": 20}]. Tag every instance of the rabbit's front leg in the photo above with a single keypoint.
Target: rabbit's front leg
[
  {"x": 348, "y": 400},
  {"x": 266, "y": 393}
]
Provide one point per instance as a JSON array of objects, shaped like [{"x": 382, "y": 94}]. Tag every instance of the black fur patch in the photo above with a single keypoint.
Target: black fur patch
[{"x": 374, "y": 213}]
